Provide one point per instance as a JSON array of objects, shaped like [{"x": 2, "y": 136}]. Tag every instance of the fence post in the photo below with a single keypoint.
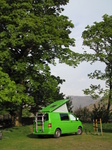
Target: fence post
[
  {"x": 0, "y": 135},
  {"x": 94, "y": 125},
  {"x": 101, "y": 126}
]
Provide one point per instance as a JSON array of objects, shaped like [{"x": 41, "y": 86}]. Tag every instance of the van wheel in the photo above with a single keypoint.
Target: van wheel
[
  {"x": 79, "y": 131},
  {"x": 57, "y": 133}
]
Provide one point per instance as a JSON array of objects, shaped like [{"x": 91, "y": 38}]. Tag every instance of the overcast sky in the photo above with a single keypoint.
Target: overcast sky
[{"x": 81, "y": 13}]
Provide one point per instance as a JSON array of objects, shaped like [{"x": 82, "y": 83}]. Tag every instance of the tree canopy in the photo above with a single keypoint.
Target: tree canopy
[
  {"x": 33, "y": 33},
  {"x": 99, "y": 38}
]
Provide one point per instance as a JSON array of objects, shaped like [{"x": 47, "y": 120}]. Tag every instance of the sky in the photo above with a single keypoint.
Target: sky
[{"x": 81, "y": 13}]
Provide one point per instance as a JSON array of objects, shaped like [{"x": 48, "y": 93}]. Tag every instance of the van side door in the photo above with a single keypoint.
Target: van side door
[
  {"x": 74, "y": 123},
  {"x": 65, "y": 123}
]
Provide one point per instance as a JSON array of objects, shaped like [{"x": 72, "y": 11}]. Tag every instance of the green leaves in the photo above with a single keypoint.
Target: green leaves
[
  {"x": 99, "y": 39},
  {"x": 97, "y": 36},
  {"x": 33, "y": 34},
  {"x": 7, "y": 87},
  {"x": 12, "y": 92},
  {"x": 95, "y": 91}
]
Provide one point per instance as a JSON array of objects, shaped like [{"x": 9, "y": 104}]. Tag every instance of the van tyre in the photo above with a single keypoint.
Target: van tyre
[
  {"x": 79, "y": 131},
  {"x": 57, "y": 133}
]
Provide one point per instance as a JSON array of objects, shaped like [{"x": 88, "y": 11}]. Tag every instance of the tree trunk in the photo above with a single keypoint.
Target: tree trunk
[
  {"x": 18, "y": 119},
  {"x": 108, "y": 106},
  {"x": 110, "y": 94}
]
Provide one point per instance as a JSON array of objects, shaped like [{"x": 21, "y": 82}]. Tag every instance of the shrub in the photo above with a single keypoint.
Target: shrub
[
  {"x": 100, "y": 112},
  {"x": 27, "y": 120},
  {"x": 83, "y": 114}
]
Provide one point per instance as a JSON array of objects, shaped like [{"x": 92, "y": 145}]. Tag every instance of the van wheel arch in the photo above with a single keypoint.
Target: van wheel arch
[
  {"x": 79, "y": 130},
  {"x": 57, "y": 133}
]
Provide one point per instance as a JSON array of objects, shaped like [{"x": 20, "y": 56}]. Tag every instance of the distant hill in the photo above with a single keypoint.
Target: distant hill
[
  {"x": 105, "y": 103},
  {"x": 82, "y": 101}
]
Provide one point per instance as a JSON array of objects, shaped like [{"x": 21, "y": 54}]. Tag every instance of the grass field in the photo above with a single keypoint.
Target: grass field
[{"x": 21, "y": 138}]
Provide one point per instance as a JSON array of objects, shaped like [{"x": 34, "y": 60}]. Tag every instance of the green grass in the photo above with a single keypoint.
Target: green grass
[{"x": 21, "y": 138}]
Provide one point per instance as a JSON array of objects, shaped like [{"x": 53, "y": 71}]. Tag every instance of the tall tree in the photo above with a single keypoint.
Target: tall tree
[
  {"x": 33, "y": 33},
  {"x": 99, "y": 38}
]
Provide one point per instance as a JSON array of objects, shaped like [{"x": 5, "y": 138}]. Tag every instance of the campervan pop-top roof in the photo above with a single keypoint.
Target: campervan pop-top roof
[{"x": 57, "y": 106}]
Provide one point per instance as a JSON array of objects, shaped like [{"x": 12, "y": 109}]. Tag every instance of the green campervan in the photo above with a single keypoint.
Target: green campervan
[{"x": 56, "y": 120}]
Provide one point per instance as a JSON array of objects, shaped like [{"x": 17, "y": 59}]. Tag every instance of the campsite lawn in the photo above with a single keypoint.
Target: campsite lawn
[{"x": 21, "y": 138}]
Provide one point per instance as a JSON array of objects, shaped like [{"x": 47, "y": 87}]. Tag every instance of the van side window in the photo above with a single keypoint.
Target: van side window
[
  {"x": 46, "y": 117},
  {"x": 64, "y": 117}
]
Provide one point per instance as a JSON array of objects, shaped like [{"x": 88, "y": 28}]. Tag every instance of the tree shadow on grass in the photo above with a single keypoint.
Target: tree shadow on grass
[
  {"x": 32, "y": 136},
  {"x": 38, "y": 136},
  {"x": 107, "y": 130},
  {"x": 47, "y": 136},
  {"x": 10, "y": 129}
]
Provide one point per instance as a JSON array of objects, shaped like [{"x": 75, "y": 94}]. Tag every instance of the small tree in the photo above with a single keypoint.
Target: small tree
[
  {"x": 100, "y": 112},
  {"x": 83, "y": 114}
]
